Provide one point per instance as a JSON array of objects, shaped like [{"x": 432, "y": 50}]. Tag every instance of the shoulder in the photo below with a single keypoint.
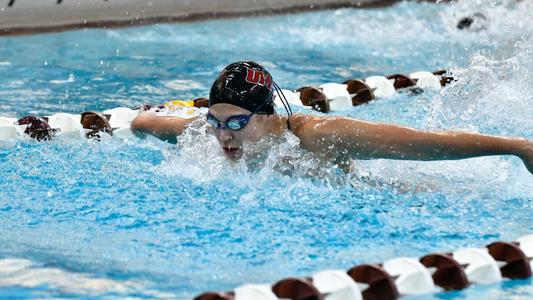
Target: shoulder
[
  {"x": 299, "y": 122},
  {"x": 304, "y": 124},
  {"x": 307, "y": 127}
]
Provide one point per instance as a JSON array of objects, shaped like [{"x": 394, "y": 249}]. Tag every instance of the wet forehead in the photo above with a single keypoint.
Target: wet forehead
[{"x": 223, "y": 111}]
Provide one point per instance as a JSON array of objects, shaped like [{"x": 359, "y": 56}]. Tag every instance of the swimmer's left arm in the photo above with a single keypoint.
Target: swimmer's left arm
[{"x": 339, "y": 137}]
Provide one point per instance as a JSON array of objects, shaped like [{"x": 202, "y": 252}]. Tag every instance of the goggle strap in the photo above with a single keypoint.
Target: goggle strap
[{"x": 283, "y": 99}]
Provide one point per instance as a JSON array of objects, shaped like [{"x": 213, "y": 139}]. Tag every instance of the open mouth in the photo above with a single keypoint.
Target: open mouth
[{"x": 232, "y": 152}]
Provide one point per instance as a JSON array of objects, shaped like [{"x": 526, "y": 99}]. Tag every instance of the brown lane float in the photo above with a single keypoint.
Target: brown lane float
[
  {"x": 311, "y": 96},
  {"x": 360, "y": 91},
  {"x": 381, "y": 284},
  {"x": 517, "y": 267},
  {"x": 296, "y": 289},
  {"x": 401, "y": 81},
  {"x": 37, "y": 128},
  {"x": 449, "y": 274},
  {"x": 444, "y": 80},
  {"x": 96, "y": 122},
  {"x": 215, "y": 296}
]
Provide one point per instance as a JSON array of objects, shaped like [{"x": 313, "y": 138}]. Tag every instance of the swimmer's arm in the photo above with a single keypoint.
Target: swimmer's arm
[
  {"x": 340, "y": 137},
  {"x": 165, "y": 128}
]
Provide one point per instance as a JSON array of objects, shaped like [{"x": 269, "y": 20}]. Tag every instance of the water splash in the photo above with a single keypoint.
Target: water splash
[{"x": 183, "y": 219}]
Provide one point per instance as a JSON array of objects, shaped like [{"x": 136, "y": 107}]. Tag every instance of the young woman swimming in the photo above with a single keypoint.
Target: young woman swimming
[{"x": 241, "y": 112}]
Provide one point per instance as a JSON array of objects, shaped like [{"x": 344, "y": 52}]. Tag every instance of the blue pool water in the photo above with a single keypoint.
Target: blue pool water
[{"x": 146, "y": 219}]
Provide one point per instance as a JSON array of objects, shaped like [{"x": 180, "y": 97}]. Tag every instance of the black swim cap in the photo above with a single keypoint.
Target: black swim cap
[{"x": 245, "y": 84}]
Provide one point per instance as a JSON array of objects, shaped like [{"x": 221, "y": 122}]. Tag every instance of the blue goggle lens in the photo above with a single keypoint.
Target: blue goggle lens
[
  {"x": 237, "y": 122},
  {"x": 233, "y": 123},
  {"x": 213, "y": 121}
]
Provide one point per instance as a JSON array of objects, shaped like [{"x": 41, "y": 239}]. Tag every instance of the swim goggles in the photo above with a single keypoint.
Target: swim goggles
[{"x": 234, "y": 123}]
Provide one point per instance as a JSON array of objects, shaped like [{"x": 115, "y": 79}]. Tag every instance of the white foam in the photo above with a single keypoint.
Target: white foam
[
  {"x": 183, "y": 85},
  {"x": 123, "y": 133},
  {"x": 70, "y": 78},
  {"x": 25, "y": 273}
]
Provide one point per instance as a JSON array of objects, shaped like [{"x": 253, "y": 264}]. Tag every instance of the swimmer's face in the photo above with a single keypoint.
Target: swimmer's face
[{"x": 234, "y": 141}]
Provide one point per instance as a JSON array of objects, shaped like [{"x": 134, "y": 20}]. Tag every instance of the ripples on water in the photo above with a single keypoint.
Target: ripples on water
[{"x": 155, "y": 220}]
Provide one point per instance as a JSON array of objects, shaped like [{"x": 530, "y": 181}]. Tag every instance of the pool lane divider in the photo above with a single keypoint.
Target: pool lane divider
[
  {"x": 399, "y": 277},
  {"x": 328, "y": 97},
  {"x": 334, "y": 97}
]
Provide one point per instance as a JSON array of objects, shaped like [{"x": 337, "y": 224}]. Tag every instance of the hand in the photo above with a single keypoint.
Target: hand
[{"x": 527, "y": 156}]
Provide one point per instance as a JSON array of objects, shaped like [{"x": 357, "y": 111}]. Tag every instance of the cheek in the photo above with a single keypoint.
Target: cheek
[{"x": 252, "y": 133}]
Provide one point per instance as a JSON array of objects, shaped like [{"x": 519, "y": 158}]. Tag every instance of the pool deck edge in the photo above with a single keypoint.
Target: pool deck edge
[{"x": 188, "y": 15}]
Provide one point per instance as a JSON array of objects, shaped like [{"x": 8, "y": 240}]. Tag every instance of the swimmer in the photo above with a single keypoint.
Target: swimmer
[{"x": 241, "y": 112}]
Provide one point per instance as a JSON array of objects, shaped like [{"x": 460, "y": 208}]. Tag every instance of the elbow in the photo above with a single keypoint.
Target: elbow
[{"x": 138, "y": 124}]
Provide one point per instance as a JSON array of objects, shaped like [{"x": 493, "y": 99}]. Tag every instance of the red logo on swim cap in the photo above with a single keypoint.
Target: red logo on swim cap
[{"x": 258, "y": 77}]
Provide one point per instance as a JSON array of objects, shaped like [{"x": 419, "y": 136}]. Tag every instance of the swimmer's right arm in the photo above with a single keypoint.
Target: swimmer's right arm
[{"x": 165, "y": 128}]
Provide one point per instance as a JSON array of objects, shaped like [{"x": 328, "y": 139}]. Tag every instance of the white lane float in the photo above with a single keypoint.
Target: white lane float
[
  {"x": 8, "y": 130},
  {"x": 338, "y": 96},
  {"x": 381, "y": 86},
  {"x": 426, "y": 80},
  {"x": 526, "y": 245},
  {"x": 120, "y": 119},
  {"x": 481, "y": 268},
  {"x": 336, "y": 285},
  {"x": 412, "y": 278},
  {"x": 69, "y": 125},
  {"x": 292, "y": 97},
  {"x": 255, "y": 291}
]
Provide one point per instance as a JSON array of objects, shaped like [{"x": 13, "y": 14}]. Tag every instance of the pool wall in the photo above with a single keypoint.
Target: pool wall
[{"x": 34, "y": 16}]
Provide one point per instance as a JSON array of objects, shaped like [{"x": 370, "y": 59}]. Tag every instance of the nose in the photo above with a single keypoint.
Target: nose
[{"x": 224, "y": 135}]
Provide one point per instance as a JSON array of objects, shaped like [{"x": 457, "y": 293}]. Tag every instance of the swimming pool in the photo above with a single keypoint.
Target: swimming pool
[{"x": 153, "y": 220}]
